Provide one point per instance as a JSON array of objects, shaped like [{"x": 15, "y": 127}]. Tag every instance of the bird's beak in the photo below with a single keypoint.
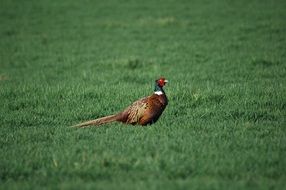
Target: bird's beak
[{"x": 166, "y": 81}]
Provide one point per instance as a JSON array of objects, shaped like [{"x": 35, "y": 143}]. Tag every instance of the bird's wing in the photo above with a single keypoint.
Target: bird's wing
[{"x": 137, "y": 110}]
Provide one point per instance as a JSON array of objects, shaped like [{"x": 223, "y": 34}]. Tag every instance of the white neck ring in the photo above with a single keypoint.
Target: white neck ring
[{"x": 158, "y": 92}]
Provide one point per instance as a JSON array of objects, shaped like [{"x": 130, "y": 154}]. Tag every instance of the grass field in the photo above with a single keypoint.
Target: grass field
[{"x": 63, "y": 62}]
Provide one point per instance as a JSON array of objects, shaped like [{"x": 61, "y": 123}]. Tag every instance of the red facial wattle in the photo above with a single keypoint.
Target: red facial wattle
[{"x": 162, "y": 82}]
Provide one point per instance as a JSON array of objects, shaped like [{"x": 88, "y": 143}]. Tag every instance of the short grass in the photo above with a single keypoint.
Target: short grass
[{"x": 62, "y": 62}]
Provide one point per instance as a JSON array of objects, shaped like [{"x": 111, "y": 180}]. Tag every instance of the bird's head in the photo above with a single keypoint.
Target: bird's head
[{"x": 161, "y": 82}]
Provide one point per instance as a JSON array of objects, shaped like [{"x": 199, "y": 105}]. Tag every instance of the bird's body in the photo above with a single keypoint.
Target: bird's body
[{"x": 144, "y": 111}]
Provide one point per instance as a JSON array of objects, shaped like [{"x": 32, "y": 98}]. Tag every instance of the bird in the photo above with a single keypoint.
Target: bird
[{"x": 145, "y": 111}]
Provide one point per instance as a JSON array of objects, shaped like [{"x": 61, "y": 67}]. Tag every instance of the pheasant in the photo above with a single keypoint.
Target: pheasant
[{"x": 143, "y": 112}]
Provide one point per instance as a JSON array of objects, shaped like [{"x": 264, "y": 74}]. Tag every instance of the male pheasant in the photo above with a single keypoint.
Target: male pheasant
[{"x": 143, "y": 112}]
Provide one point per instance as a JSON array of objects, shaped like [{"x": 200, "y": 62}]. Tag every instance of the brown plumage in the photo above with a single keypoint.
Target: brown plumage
[{"x": 142, "y": 112}]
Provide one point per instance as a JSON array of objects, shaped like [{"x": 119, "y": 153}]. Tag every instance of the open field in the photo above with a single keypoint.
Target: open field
[{"x": 62, "y": 62}]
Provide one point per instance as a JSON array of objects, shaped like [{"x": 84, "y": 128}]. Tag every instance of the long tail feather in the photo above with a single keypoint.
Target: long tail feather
[{"x": 97, "y": 122}]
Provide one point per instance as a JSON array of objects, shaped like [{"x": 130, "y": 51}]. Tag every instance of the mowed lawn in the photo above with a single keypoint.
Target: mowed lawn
[{"x": 63, "y": 62}]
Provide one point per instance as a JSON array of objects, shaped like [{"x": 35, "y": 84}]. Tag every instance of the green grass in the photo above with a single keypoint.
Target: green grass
[{"x": 62, "y": 62}]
